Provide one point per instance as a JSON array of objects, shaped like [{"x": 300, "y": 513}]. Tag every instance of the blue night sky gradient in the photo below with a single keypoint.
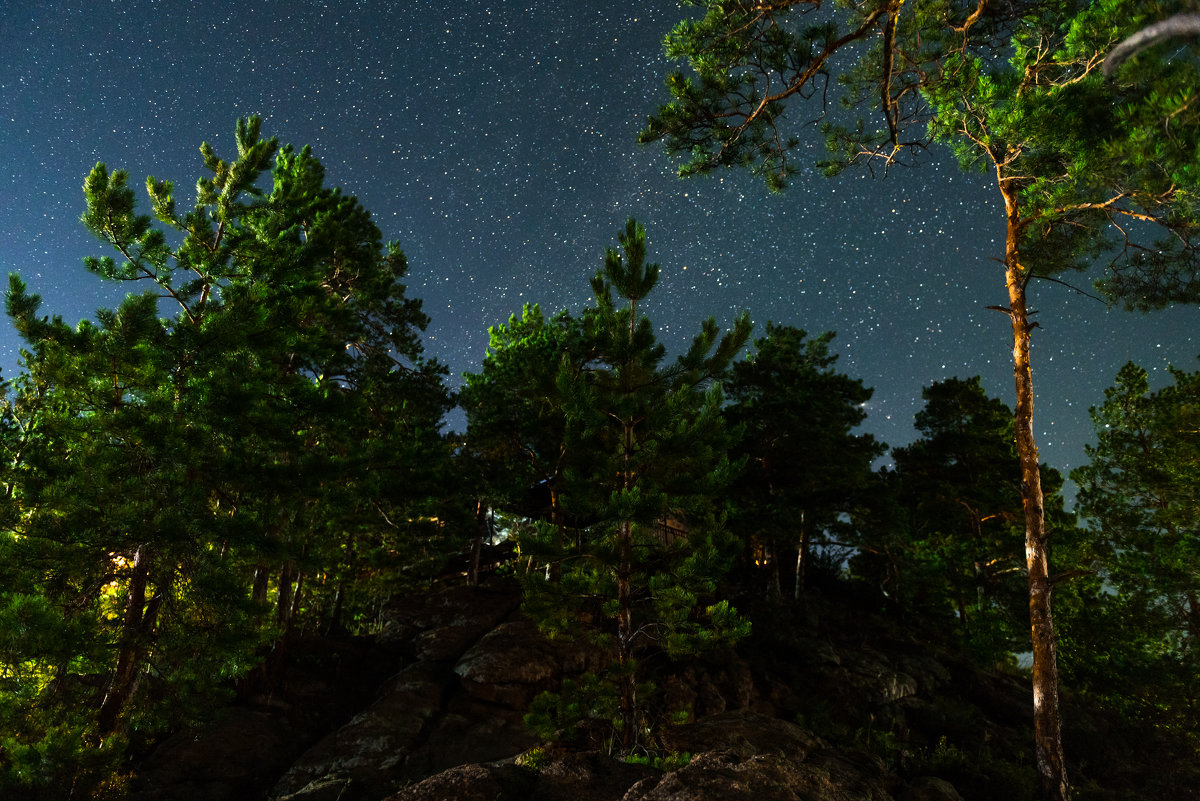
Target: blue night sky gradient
[{"x": 496, "y": 141}]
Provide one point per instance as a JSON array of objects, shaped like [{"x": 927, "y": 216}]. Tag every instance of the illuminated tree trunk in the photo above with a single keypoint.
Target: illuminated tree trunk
[
  {"x": 139, "y": 620},
  {"x": 1047, "y": 721},
  {"x": 802, "y": 556}
]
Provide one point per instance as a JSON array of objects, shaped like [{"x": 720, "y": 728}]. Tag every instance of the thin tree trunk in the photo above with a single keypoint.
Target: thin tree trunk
[
  {"x": 138, "y": 619},
  {"x": 1047, "y": 720},
  {"x": 802, "y": 556},
  {"x": 297, "y": 597},
  {"x": 774, "y": 586},
  {"x": 284, "y": 603},
  {"x": 628, "y": 701},
  {"x": 262, "y": 579},
  {"x": 477, "y": 544},
  {"x": 560, "y": 535}
]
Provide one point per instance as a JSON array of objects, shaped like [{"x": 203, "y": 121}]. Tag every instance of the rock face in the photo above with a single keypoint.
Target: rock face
[
  {"x": 426, "y": 718},
  {"x": 433, "y": 708},
  {"x": 742, "y": 757}
]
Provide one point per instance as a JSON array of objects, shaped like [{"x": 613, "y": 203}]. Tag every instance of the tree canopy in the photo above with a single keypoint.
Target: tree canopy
[{"x": 173, "y": 479}]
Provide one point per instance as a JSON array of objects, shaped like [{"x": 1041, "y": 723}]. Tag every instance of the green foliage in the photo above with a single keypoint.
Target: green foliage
[
  {"x": 948, "y": 541},
  {"x": 806, "y": 471},
  {"x": 975, "y": 773},
  {"x": 577, "y": 706},
  {"x": 671, "y": 761},
  {"x": 1131, "y": 636},
  {"x": 185, "y": 489},
  {"x": 647, "y": 445},
  {"x": 534, "y": 759}
]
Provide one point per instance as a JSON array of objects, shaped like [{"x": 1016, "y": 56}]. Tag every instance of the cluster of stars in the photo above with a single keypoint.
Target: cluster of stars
[{"x": 496, "y": 141}]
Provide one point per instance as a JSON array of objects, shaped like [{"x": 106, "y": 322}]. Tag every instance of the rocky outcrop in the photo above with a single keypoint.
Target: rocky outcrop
[
  {"x": 432, "y": 708},
  {"x": 426, "y": 718},
  {"x": 741, "y": 757}
]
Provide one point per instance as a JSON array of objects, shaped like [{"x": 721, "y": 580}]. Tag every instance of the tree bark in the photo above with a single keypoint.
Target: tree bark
[
  {"x": 477, "y": 543},
  {"x": 1047, "y": 720},
  {"x": 283, "y": 604},
  {"x": 297, "y": 599},
  {"x": 138, "y": 619},
  {"x": 774, "y": 587},
  {"x": 802, "y": 556},
  {"x": 628, "y": 701},
  {"x": 262, "y": 579},
  {"x": 560, "y": 533}
]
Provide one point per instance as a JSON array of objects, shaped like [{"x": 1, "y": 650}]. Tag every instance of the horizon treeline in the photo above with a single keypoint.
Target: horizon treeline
[{"x": 187, "y": 494}]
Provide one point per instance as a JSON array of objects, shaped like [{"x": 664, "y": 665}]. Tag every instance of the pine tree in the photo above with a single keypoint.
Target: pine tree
[
  {"x": 1139, "y": 492},
  {"x": 1085, "y": 168},
  {"x": 656, "y": 448},
  {"x": 805, "y": 468},
  {"x": 192, "y": 485},
  {"x": 516, "y": 415},
  {"x": 961, "y": 540}
]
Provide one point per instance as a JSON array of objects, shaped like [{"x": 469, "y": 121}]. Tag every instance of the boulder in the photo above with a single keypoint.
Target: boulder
[
  {"x": 472, "y": 783},
  {"x": 509, "y": 665},
  {"x": 929, "y": 788},
  {"x": 588, "y": 776},
  {"x": 442, "y": 625},
  {"x": 235, "y": 754},
  {"x": 725, "y": 776},
  {"x": 744, "y": 735},
  {"x": 372, "y": 747}
]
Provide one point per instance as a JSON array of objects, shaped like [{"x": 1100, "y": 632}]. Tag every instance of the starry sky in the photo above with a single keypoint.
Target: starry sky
[{"x": 496, "y": 141}]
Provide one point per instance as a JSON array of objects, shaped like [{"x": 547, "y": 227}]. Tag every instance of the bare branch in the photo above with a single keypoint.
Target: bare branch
[{"x": 1180, "y": 25}]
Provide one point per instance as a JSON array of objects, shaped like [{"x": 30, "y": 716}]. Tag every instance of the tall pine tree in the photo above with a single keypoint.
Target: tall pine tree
[{"x": 655, "y": 449}]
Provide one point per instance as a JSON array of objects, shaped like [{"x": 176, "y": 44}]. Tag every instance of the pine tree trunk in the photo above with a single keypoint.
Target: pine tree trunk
[
  {"x": 262, "y": 579},
  {"x": 802, "y": 555},
  {"x": 297, "y": 598},
  {"x": 774, "y": 586},
  {"x": 284, "y": 603},
  {"x": 1047, "y": 719},
  {"x": 138, "y": 619},
  {"x": 560, "y": 536},
  {"x": 628, "y": 701},
  {"x": 477, "y": 544}
]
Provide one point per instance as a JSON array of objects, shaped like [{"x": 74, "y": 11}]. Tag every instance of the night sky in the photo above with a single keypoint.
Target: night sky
[{"x": 496, "y": 141}]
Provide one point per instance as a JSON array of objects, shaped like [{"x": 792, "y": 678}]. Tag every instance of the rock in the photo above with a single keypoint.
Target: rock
[
  {"x": 929, "y": 788},
  {"x": 469, "y": 732},
  {"x": 744, "y": 735},
  {"x": 235, "y": 755},
  {"x": 442, "y": 625},
  {"x": 372, "y": 747},
  {"x": 711, "y": 687},
  {"x": 747, "y": 756},
  {"x": 509, "y": 665},
  {"x": 588, "y": 776},
  {"x": 578, "y": 776},
  {"x": 472, "y": 783},
  {"x": 817, "y": 652},
  {"x": 724, "y": 776},
  {"x": 328, "y": 788}
]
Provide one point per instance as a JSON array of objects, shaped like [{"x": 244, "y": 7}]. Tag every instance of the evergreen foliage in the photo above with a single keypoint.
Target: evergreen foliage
[
  {"x": 187, "y": 489},
  {"x": 948, "y": 543},
  {"x": 1086, "y": 168},
  {"x": 651, "y": 445},
  {"x": 1133, "y": 638},
  {"x": 250, "y": 447},
  {"x": 805, "y": 471}
]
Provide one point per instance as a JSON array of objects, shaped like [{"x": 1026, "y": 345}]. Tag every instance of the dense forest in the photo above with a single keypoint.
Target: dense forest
[{"x": 251, "y": 449}]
